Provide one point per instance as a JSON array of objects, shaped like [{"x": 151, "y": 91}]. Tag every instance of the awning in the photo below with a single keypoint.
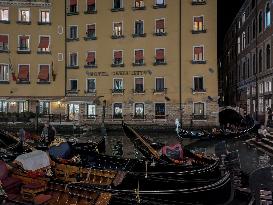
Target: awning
[
  {"x": 23, "y": 72},
  {"x": 90, "y": 57},
  {"x": 90, "y": 2},
  {"x": 79, "y": 99},
  {"x": 160, "y": 24},
  {"x": 117, "y": 54},
  {"x": 139, "y": 55},
  {"x": 198, "y": 19},
  {"x": 91, "y": 27},
  {"x": 44, "y": 42},
  {"x": 160, "y": 54},
  {"x": 44, "y": 73},
  {"x": 198, "y": 50},
  {"x": 4, "y": 38}
]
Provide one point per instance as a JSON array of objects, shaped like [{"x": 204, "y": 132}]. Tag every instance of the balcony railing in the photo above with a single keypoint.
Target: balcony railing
[
  {"x": 198, "y": 61},
  {"x": 160, "y": 33},
  {"x": 138, "y": 8},
  {"x": 114, "y": 65},
  {"x": 117, "y": 36},
  {"x": 139, "y": 63},
  {"x": 199, "y": 90},
  {"x": 5, "y": 21},
  {"x": 72, "y": 67},
  {"x": 23, "y": 81},
  {"x": 160, "y": 91},
  {"x": 118, "y": 91},
  {"x": 160, "y": 62},
  {"x": 72, "y": 13},
  {"x": 72, "y": 91},
  {"x": 72, "y": 39},
  {"x": 4, "y": 50},
  {"x": 199, "y": 30},
  {"x": 199, "y": 117},
  {"x": 91, "y": 66},
  {"x": 117, "y": 9},
  {"x": 90, "y": 37},
  {"x": 91, "y": 91},
  {"x": 23, "y": 22},
  {"x": 44, "y": 23},
  {"x": 138, "y": 91},
  {"x": 199, "y": 2},
  {"x": 91, "y": 11},
  {"x": 23, "y": 50},
  {"x": 159, "y": 6},
  {"x": 138, "y": 35}
]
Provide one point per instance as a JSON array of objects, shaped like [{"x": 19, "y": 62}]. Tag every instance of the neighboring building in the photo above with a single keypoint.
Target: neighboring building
[
  {"x": 144, "y": 59},
  {"x": 31, "y": 43},
  {"x": 248, "y": 59}
]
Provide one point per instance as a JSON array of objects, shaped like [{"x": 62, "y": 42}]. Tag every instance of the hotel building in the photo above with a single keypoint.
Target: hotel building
[{"x": 144, "y": 61}]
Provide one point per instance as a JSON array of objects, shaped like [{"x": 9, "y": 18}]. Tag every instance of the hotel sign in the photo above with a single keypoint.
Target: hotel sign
[{"x": 119, "y": 73}]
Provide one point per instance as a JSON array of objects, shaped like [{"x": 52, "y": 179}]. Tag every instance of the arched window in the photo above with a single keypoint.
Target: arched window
[
  {"x": 267, "y": 15},
  {"x": 268, "y": 53},
  {"x": 260, "y": 60},
  {"x": 260, "y": 21},
  {"x": 254, "y": 29}
]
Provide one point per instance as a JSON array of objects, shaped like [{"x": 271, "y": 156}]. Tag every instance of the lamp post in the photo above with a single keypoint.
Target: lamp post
[{"x": 37, "y": 111}]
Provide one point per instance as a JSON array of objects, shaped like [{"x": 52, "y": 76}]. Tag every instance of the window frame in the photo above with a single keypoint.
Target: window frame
[
  {"x": 8, "y": 71},
  {"x": 28, "y": 72},
  {"x": 86, "y": 87},
  {"x": 49, "y": 72},
  {"x": 20, "y": 15}
]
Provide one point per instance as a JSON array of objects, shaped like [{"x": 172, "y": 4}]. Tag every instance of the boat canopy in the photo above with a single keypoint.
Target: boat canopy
[{"x": 34, "y": 160}]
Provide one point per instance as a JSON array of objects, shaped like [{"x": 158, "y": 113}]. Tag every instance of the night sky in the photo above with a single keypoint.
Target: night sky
[{"x": 227, "y": 10}]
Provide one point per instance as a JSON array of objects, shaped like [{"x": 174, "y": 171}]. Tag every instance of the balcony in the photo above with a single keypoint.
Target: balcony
[
  {"x": 139, "y": 35},
  {"x": 117, "y": 91},
  {"x": 138, "y": 91},
  {"x": 5, "y": 21},
  {"x": 91, "y": 66},
  {"x": 198, "y": 2},
  {"x": 73, "y": 92},
  {"x": 43, "y": 52},
  {"x": 92, "y": 92},
  {"x": 198, "y": 90},
  {"x": 43, "y": 82},
  {"x": 23, "y": 82},
  {"x": 138, "y": 8},
  {"x": 2, "y": 82},
  {"x": 4, "y": 50},
  {"x": 160, "y": 34},
  {"x": 199, "y": 117},
  {"x": 23, "y": 50},
  {"x": 72, "y": 39},
  {"x": 91, "y": 11},
  {"x": 159, "y": 6},
  {"x": 72, "y": 13},
  {"x": 44, "y": 23},
  {"x": 198, "y": 31},
  {"x": 159, "y": 62},
  {"x": 115, "y": 65},
  {"x": 90, "y": 37},
  {"x": 160, "y": 91},
  {"x": 24, "y": 22},
  {"x": 136, "y": 64},
  {"x": 117, "y": 36},
  {"x": 198, "y": 61},
  {"x": 72, "y": 67},
  {"x": 117, "y": 9}
]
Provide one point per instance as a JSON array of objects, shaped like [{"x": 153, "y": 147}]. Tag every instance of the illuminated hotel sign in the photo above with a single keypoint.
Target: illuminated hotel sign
[{"x": 115, "y": 73}]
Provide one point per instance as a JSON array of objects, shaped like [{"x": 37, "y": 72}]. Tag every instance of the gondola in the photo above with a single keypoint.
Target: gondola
[{"x": 202, "y": 134}]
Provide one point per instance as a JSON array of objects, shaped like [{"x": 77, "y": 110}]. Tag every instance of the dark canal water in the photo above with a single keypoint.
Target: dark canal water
[{"x": 249, "y": 156}]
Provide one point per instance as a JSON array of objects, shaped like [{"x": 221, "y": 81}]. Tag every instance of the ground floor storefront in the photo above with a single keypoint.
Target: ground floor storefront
[{"x": 87, "y": 110}]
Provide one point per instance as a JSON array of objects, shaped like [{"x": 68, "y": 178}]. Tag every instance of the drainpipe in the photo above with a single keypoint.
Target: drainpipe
[
  {"x": 65, "y": 46},
  {"x": 180, "y": 65}
]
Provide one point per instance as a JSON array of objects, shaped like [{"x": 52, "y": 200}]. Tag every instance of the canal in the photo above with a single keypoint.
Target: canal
[{"x": 249, "y": 156}]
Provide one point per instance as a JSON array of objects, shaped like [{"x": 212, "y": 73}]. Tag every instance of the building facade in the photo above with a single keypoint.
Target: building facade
[
  {"x": 247, "y": 64},
  {"x": 146, "y": 61}
]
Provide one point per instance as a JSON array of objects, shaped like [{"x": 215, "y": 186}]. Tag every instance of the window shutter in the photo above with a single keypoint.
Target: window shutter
[
  {"x": 73, "y": 2},
  {"x": 160, "y": 24},
  {"x": 160, "y": 54},
  {"x": 44, "y": 42},
  {"x": 90, "y": 2},
  {"x": 23, "y": 72},
  {"x": 44, "y": 73},
  {"x": 90, "y": 57},
  {"x": 118, "y": 54},
  {"x": 4, "y": 39},
  {"x": 91, "y": 27},
  {"x": 139, "y": 81},
  {"x": 139, "y": 55}
]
